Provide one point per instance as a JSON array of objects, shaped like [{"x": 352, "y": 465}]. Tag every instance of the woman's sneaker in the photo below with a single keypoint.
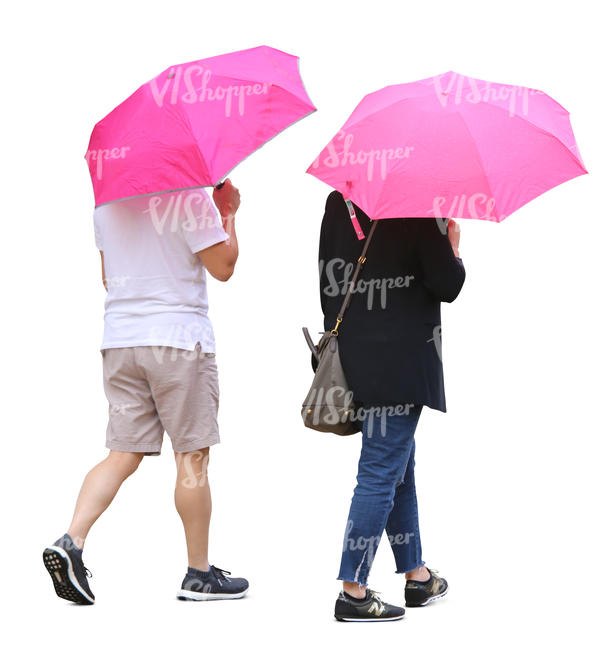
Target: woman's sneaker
[
  {"x": 213, "y": 584},
  {"x": 65, "y": 566},
  {"x": 419, "y": 593},
  {"x": 370, "y": 608}
]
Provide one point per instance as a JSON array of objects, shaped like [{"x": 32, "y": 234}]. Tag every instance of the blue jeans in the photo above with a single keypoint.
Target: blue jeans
[{"x": 385, "y": 495}]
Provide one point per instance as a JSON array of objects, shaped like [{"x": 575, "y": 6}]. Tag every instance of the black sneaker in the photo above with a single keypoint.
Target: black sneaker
[
  {"x": 211, "y": 585},
  {"x": 65, "y": 566},
  {"x": 371, "y": 608},
  {"x": 419, "y": 593}
]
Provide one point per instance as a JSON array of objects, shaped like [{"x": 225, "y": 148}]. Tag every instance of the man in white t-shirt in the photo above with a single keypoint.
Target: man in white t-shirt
[{"x": 159, "y": 369}]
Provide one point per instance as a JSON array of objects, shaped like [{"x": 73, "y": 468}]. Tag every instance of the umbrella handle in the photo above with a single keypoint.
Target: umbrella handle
[{"x": 220, "y": 185}]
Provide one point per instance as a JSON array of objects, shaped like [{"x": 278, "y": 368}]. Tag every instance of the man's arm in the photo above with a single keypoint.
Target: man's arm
[{"x": 220, "y": 259}]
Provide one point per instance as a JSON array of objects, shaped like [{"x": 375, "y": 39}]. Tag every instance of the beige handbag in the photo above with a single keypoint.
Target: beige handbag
[{"x": 329, "y": 406}]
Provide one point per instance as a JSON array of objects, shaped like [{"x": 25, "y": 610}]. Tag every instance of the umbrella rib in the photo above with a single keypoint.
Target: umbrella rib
[
  {"x": 375, "y": 110},
  {"x": 296, "y": 121},
  {"x": 534, "y": 126},
  {"x": 481, "y": 161},
  {"x": 539, "y": 128},
  {"x": 494, "y": 106}
]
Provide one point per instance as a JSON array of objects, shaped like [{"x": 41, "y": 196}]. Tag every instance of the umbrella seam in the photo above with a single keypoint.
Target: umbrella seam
[{"x": 479, "y": 155}]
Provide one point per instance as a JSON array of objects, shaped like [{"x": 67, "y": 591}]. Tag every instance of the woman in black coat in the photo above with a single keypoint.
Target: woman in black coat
[{"x": 390, "y": 349}]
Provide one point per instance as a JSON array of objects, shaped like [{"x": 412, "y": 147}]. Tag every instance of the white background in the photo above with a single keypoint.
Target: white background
[{"x": 514, "y": 482}]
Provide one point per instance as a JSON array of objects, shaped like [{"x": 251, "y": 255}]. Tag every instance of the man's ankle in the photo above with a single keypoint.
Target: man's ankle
[{"x": 77, "y": 541}]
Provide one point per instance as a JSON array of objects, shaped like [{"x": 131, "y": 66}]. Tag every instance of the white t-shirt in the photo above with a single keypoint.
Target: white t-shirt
[{"x": 157, "y": 286}]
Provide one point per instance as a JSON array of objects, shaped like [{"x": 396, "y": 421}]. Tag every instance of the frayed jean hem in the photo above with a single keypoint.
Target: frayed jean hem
[
  {"x": 413, "y": 569},
  {"x": 351, "y": 579}
]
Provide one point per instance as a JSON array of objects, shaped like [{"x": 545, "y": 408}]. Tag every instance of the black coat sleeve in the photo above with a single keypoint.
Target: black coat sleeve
[
  {"x": 325, "y": 234},
  {"x": 443, "y": 272},
  {"x": 321, "y": 263}
]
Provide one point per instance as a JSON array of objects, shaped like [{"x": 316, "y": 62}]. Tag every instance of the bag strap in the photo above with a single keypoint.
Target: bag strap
[
  {"x": 359, "y": 264},
  {"x": 310, "y": 343}
]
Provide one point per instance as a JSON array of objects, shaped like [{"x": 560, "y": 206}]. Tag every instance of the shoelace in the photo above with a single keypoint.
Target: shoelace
[
  {"x": 88, "y": 573},
  {"x": 377, "y": 596},
  {"x": 220, "y": 574}
]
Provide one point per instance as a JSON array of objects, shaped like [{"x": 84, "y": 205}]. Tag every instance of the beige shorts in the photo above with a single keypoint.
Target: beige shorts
[{"x": 152, "y": 389}]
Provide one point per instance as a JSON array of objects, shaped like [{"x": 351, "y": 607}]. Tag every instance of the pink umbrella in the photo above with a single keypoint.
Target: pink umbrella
[
  {"x": 452, "y": 147},
  {"x": 189, "y": 126}
]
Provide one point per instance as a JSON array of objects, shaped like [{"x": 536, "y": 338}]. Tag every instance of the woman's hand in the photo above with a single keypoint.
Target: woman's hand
[{"x": 454, "y": 236}]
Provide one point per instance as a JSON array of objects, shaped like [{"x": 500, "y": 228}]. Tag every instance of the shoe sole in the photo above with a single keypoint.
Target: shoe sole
[
  {"x": 368, "y": 620},
  {"x": 428, "y": 600},
  {"x": 185, "y": 594},
  {"x": 58, "y": 564}
]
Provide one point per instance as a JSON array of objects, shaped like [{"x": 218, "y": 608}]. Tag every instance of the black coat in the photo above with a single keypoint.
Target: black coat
[{"x": 390, "y": 337}]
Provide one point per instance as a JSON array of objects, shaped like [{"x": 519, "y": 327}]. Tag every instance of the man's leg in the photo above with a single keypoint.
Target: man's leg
[
  {"x": 63, "y": 559},
  {"x": 98, "y": 490},
  {"x": 193, "y": 503}
]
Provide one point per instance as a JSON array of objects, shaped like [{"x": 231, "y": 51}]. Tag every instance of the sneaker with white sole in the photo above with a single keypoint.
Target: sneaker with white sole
[
  {"x": 214, "y": 584},
  {"x": 371, "y": 608},
  {"x": 65, "y": 566}
]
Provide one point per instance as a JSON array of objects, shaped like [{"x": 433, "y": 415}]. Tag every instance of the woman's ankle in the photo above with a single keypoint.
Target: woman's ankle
[
  {"x": 420, "y": 573},
  {"x": 354, "y": 589}
]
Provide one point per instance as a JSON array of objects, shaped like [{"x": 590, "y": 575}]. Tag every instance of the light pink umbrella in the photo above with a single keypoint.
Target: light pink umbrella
[
  {"x": 450, "y": 146},
  {"x": 190, "y": 125}
]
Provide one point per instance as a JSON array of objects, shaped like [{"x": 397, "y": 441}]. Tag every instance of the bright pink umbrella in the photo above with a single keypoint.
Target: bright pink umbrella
[
  {"x": 190, "y": 125},
  {"x": 450, "y": 146}
]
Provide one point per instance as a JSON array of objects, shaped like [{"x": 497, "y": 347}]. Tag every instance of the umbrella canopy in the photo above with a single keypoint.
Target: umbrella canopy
[
  {"x": 190, "y": 125},
  {"x": 450, "y": 146}
]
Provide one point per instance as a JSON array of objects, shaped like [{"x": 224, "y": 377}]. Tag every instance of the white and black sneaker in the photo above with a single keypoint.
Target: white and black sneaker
[
  {"x": 214, "y": 584},
  {"x": 65, "y": 566},
  {"x": 369, "y": 608}
]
